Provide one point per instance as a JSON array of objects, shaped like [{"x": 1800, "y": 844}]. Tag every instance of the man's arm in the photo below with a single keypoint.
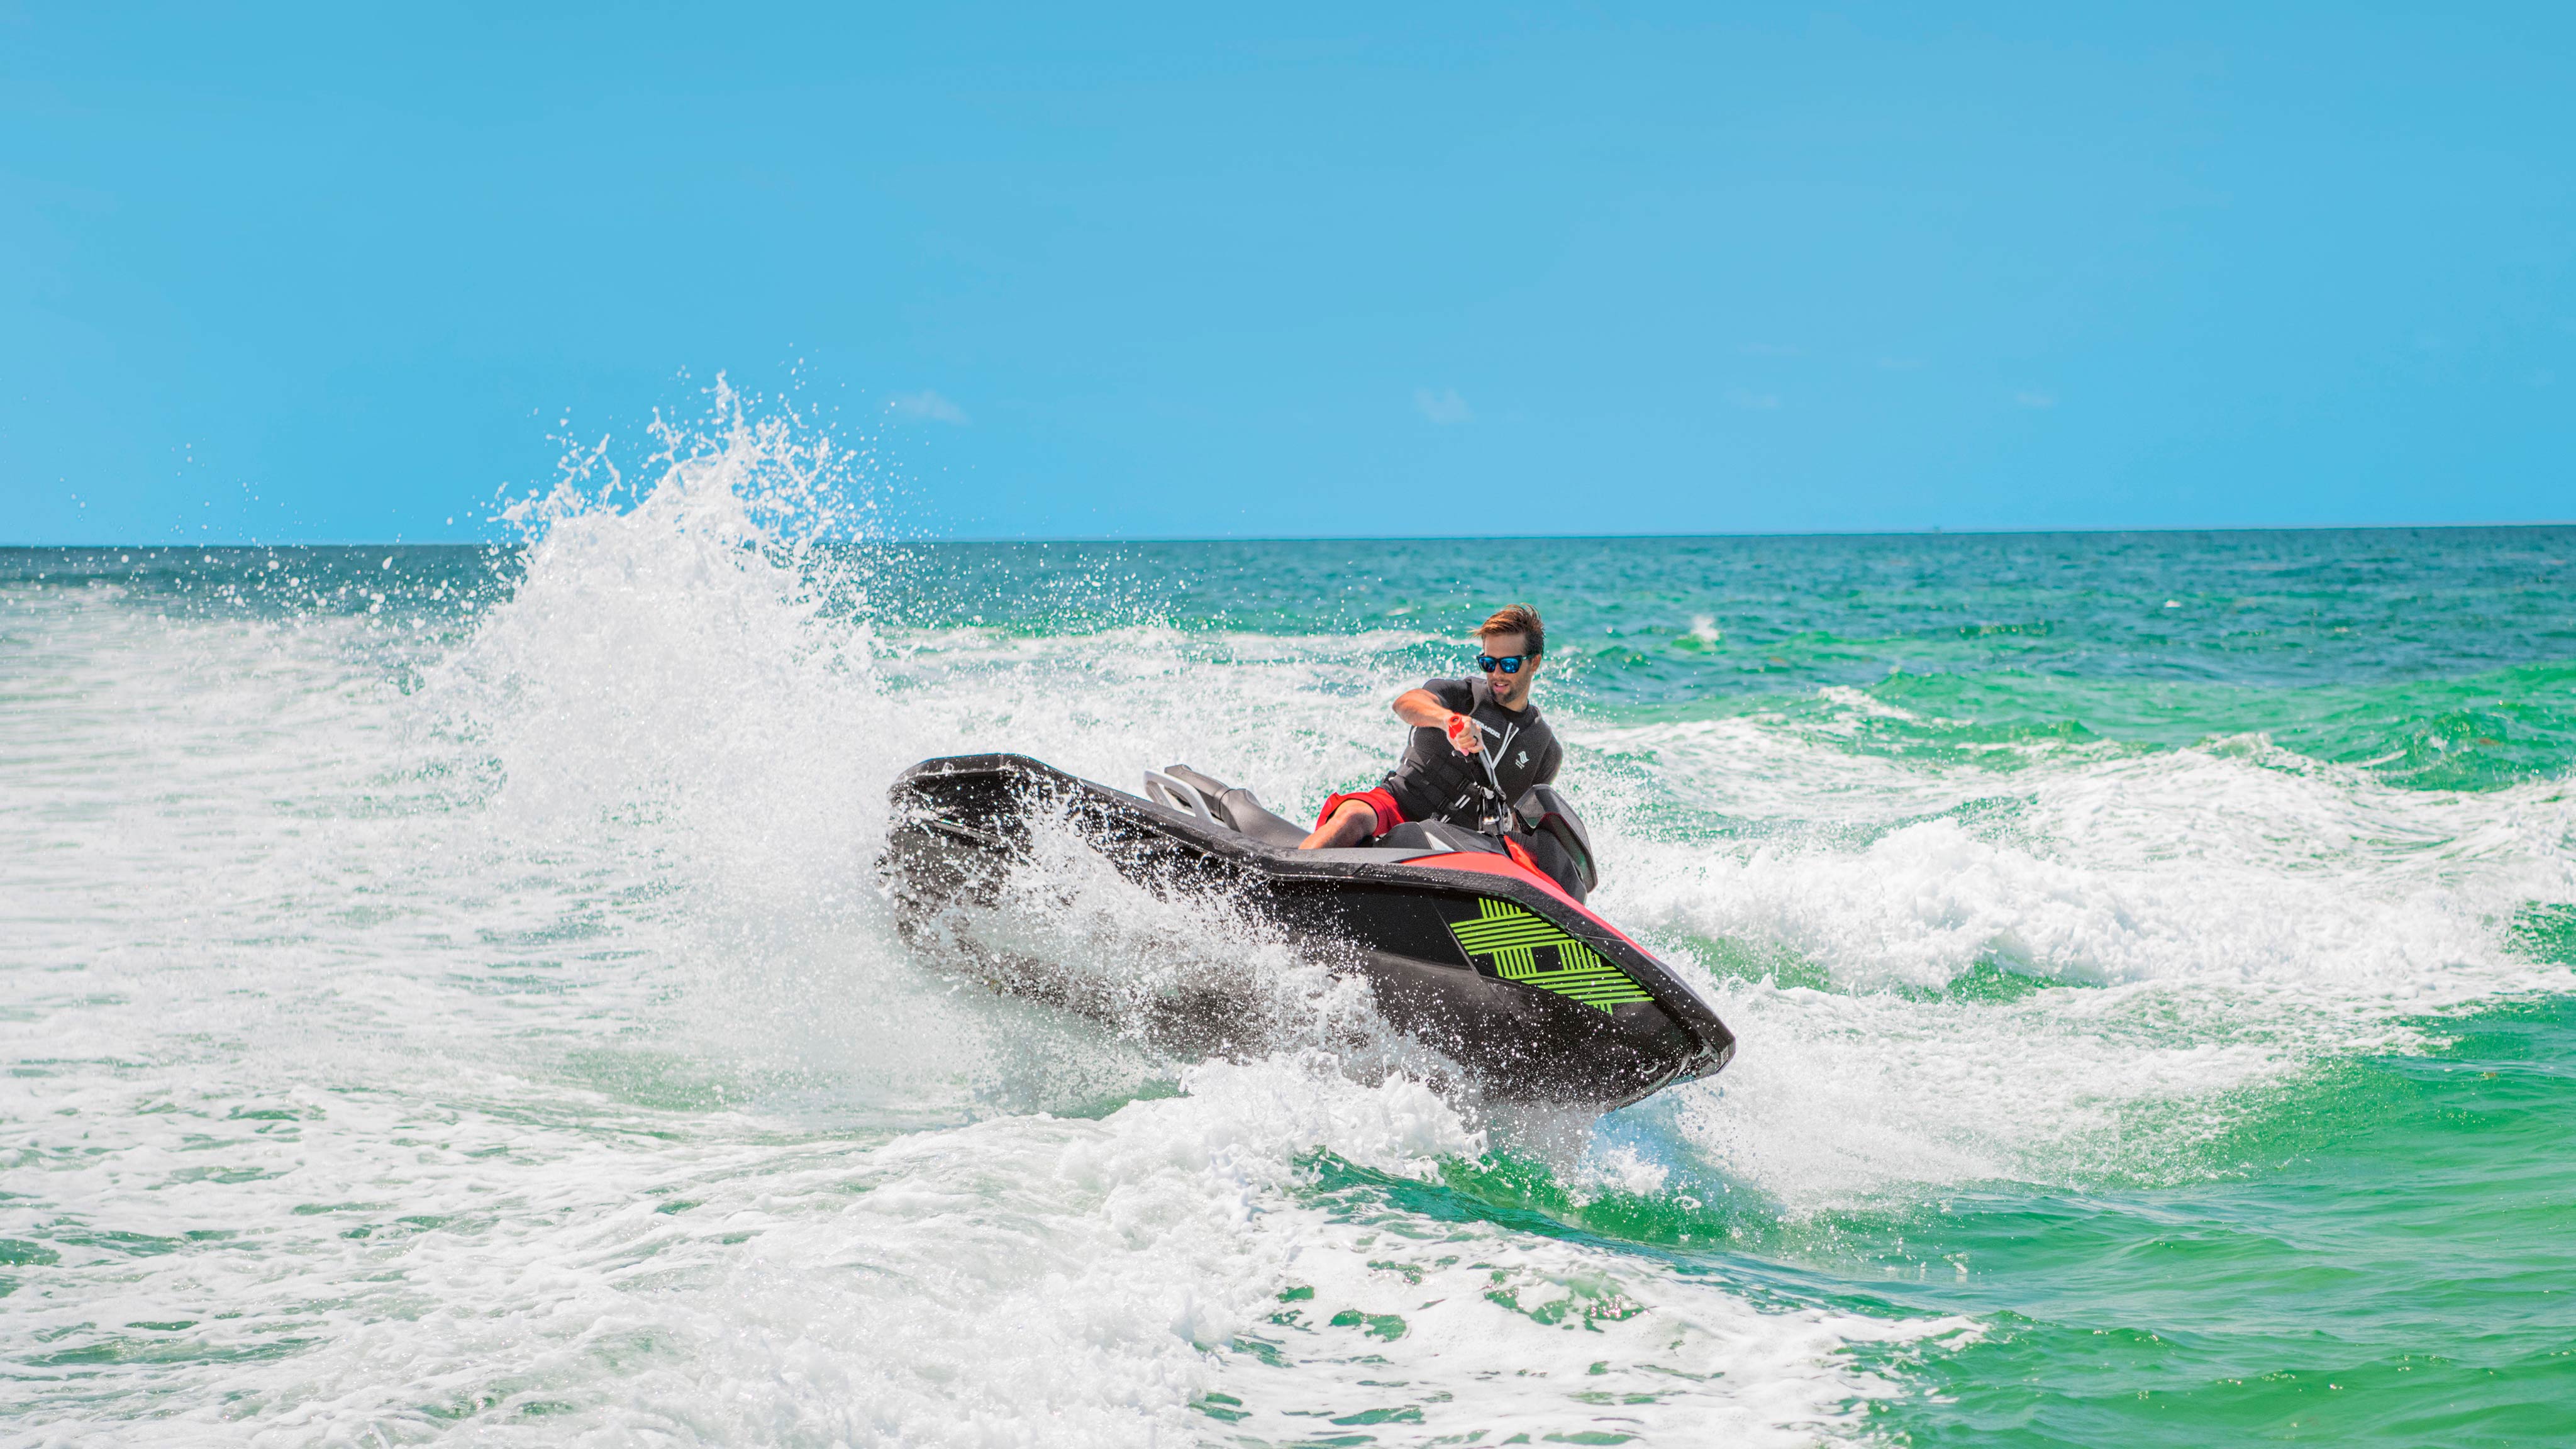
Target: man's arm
[{"x": 1423, "y": 710}]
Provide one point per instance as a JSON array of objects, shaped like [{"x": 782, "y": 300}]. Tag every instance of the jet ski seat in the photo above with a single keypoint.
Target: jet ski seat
[
  {"x": 1237, "y": 807},
  {"x": 1556, "y": 840}
]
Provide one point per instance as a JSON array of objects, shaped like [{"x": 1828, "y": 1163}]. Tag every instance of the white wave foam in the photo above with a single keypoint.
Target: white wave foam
[{"x": 2193, "y": 929}]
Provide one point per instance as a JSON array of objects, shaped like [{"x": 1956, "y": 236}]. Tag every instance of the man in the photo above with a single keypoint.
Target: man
[{"x": 1454, "y": 721}]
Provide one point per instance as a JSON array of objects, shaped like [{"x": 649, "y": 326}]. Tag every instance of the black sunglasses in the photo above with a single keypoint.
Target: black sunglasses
[{"x": 1509, "y": 663}]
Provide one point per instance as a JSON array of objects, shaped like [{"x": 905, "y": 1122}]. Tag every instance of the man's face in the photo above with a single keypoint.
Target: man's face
[{"x": 1510, "y": 690}]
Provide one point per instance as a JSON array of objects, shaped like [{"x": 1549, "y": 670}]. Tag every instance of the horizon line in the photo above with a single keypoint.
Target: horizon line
[{"x": 1112, "y": 538}]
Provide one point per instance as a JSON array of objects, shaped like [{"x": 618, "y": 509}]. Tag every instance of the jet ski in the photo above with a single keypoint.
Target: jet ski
[{"x": 1469, "y": 945}]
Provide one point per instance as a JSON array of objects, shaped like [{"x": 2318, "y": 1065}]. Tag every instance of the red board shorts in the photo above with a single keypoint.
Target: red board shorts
[{"x": 1388, "y": 816}]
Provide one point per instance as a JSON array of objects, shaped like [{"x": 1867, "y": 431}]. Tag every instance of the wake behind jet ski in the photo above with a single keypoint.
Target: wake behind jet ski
[{"x": 1472, "y": 932}]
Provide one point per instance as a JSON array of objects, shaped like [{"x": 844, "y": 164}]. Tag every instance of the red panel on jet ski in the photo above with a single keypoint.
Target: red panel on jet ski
[{"x": 1483, "y": 864}]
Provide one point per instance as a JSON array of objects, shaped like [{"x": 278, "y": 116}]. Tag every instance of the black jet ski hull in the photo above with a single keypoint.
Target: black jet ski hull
[{"x": 1483, "y": 959}]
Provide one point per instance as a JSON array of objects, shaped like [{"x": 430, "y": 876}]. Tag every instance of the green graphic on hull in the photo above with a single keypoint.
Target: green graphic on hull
[{"x": 1513, "y": 938}]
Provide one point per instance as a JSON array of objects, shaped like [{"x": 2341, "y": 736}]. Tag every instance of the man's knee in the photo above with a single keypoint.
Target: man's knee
[{"x": 1352, "y": 821}]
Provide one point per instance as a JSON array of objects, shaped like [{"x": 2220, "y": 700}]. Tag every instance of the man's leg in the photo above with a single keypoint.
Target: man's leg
[{"x": 1353, "y": 824}]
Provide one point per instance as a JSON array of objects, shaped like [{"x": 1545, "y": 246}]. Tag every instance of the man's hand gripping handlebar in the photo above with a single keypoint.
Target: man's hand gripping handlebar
[{"x": 1465, "y": 736}]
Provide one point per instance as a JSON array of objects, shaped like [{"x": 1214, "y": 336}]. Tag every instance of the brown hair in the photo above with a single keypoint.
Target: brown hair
[{"x": 1518, "y": 619}]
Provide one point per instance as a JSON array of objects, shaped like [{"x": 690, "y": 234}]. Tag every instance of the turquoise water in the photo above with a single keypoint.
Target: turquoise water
[{"x": 445, "y": 998}]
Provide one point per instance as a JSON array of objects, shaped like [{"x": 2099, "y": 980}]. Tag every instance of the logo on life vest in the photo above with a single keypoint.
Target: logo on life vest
[{"x": 1524, "y": 757}]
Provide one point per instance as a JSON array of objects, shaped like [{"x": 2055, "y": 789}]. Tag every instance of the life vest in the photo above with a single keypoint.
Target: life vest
[{"x": 1435, "y": 782}]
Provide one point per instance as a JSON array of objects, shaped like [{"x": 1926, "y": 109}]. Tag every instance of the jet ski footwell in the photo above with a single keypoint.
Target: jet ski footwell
[{"x": 1467, "y": 949}]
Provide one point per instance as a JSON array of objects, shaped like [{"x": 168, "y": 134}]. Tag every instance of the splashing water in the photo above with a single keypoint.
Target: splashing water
[{"x": 449, "y": 998}]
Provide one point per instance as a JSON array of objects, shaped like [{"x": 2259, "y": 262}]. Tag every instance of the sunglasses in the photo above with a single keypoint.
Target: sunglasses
[{"x": 1509, "y": 663}]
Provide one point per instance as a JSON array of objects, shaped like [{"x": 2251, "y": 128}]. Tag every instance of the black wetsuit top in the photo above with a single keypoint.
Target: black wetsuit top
[{"x": 1435, "y": 782}]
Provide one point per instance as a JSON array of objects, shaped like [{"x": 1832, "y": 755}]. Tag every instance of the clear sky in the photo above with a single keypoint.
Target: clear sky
[{"x": 339, "y": 272}]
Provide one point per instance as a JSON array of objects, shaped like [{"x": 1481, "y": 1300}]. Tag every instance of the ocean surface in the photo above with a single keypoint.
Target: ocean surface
[{"x": 446, "y": 998}]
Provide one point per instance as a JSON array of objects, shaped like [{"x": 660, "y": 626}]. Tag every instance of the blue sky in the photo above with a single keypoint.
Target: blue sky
[{"x": 277, "y": 274}]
